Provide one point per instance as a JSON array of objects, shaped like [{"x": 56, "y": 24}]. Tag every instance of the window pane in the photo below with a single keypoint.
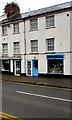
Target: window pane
[
  {"x": 34, "y": 46},
  {"x": 16, "y": 48},
  {"x": 50, "y": 44},
  {"x": 49, "y": 21},
  {"x": 4, "y": 29},
  {"x": 5, "y": 48},
  {"x": 33, "y": 24},
  {"x": 16, "y": 27}
]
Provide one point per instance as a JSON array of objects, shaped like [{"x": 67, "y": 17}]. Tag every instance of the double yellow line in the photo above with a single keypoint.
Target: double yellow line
[{"x": 7, "y": 116}]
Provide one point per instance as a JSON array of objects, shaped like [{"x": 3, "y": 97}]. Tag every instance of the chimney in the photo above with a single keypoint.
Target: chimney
[{"x": 11, "y": 9}]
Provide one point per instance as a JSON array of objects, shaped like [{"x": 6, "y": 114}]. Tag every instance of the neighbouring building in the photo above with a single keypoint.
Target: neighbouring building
[
  {"x": 38, "y": 42},
  {"x": 3, "y": 17}
]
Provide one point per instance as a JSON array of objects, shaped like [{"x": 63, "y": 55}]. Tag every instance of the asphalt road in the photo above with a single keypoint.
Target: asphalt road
[{"x": 26, "y": 101}]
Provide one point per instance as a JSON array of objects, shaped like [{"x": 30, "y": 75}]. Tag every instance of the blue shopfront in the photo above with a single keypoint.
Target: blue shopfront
[{"x": 55, "y": 63}]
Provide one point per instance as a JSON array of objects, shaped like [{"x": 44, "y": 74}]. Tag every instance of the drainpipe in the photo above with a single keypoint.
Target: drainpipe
[{"x": 24, "y": 45}]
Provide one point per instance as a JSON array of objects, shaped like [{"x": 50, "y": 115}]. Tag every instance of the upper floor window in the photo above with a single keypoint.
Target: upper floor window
[
  {"x": 50, "y": 21},
  {"x": 50, "y": 44},
  {"x": 33, "y": 24},
  {"x": 5, "y": 48},
  {"x": 16, "y": 48},
  {"x": 16, "y": 27},
  {"x": 34, "y": 45},
  {"x": 4, "y": 29}
]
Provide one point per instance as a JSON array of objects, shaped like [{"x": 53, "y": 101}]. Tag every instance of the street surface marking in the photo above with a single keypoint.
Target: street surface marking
[
  {"x": 5, "y": 115},
  {"x": 48, "y": 97}
]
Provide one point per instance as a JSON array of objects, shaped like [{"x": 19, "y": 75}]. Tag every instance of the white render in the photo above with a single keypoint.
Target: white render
[{"x": 61, "y": 32}]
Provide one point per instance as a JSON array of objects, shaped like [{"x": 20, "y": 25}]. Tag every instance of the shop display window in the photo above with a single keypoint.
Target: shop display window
[
  {"x": 55, "y": 66},
  {"x": 5, "y": 65}
]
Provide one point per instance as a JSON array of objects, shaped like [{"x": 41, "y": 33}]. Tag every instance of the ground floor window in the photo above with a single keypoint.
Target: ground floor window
[
  {"x": 55, "y": 63},
  {"x": 55, "y": 66},
  {"x": 5, "y": 65}
]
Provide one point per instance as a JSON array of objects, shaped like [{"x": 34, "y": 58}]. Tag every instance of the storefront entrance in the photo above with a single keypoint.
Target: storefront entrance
[
  {"x": 55, "y": 64},
  {"x": 32, "y": 68},
  {"x": 17, "y": 67},
  {"x": 28, "y": 68}
]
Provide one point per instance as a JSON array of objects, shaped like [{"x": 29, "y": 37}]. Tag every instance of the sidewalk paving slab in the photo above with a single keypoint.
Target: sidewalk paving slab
[{"x": 46, "y": 81}]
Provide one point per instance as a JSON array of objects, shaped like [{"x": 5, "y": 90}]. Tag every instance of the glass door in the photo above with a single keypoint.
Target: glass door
[
  {"x": 17, "y": 67},
  {"x": 28, "y": 68}
]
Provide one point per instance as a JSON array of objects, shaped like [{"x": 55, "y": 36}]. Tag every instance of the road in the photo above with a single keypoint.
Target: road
[{"x": 28, "y": 101}]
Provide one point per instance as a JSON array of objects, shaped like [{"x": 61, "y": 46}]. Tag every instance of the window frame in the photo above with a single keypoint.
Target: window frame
[
  {"x": 16, "y": 48},
  {"x": 16, "y": 27},
  {"x": 4, "y": 29},
  {"x": 34, "y": 47},
  {"x": 50, "y": 42},
  {"x": 4, "y": 48},
  {"x": 34, "y": 24},
  {"x": 50, "y": 21}
]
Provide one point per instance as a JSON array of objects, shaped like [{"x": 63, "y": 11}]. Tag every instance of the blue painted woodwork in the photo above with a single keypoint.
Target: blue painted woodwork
[{"x": 34, "y": 67}]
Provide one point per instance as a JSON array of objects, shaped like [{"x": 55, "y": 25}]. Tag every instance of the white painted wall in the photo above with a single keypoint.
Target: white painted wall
[
  {"x": 10, "y": 38},
  {"x": 71, "y": 42},
  {"x": 71, "y": 64},
  {"x": 61, "y": 33},
  {"x": 11, "y": 66},
  {"x": 67, "y": 64}
]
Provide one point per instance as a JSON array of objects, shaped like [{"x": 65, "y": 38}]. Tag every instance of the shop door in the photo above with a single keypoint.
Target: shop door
[
  {"x": 28, "y": 68},
  {"x": 17, "y": 67},
  {"x": 34, "y": 67}
]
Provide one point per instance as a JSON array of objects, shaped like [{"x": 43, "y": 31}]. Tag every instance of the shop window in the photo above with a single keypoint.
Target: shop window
[
  {"x": 5, "y": 65},
  {"x": 55, "y": 66}
]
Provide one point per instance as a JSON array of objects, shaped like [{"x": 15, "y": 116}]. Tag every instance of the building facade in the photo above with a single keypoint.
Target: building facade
[{"x": 38, "y": 42}]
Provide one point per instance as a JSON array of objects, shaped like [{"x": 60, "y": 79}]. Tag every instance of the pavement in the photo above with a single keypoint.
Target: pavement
[{"x": 62, "y": 82}]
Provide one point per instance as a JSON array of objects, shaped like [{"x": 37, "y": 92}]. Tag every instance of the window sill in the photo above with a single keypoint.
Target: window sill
[
  {"x": 50, "y": 52},
  {"x": 16, "y": 33},
  {"x": 34, "y": 53},
  {"x": 33, "y": 30},
  {"x": 16, "y": 54},
  {"x": 6, "y": 54},
  {"x": 50, "y": 27},
  {"x": 4, "y": 34}
]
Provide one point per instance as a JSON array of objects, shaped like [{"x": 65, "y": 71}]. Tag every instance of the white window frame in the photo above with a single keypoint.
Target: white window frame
[
  {"x": 50, "y": 44},
  {"x": 5, "y": 48},
  {"x": 4, "y": 29},
  {"x": 16, "y": 28},
  {"x": 34, "y": 46},
  {"x": 50, "y": 21},
  {"x": 16, "y": 48},
  {"x": 27, "y": 67},
  {"x": 34, "y": 24}
]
